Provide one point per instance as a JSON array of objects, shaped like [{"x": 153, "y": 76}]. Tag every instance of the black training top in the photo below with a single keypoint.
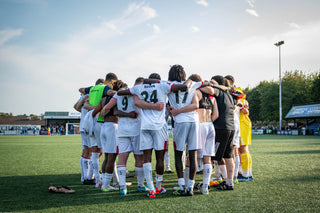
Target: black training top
[{"x": 225, "y": 106}]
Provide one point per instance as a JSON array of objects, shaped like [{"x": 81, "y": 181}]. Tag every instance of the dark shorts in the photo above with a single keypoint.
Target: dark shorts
[{"x": 224, "y": 146}]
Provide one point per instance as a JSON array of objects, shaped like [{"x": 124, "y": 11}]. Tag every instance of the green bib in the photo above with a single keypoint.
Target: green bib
[{"x": 95, "y": 95}]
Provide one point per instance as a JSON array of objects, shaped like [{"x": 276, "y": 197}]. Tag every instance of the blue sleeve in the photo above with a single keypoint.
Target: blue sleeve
[
  {"x": 106, "y": 88},
  {"x": 87, "y": 90}
]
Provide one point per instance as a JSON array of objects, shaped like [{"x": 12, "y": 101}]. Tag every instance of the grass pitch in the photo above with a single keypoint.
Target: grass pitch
[{"x": 286, "y": 173}]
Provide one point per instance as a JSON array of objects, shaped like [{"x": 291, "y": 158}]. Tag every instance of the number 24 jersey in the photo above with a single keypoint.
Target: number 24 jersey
[{"x": 152, "y": 119}]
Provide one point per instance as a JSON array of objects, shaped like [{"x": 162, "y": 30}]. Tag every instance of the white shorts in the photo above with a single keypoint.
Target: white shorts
[
  {"x": 154, "y": 139},
  {"x": 186, "y": 133},
  {"x": 207, "y": 137},
  {"x": 108, "y": 137},
  {"x": 95, "y": 138},
  {"x": 85, "y": 140},
  {"x": 236, "y": 136},
  {"x": 129, "y": 144}
]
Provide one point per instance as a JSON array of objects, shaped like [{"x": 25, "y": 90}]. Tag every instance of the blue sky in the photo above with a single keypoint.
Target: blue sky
[{"x": 50, "y": 48}]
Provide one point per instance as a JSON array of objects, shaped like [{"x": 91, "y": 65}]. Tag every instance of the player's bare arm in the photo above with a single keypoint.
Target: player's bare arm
[
  {"x": 177, "y": 87},
  {"x": 189, "y": 108},
  {"x": 145, "y": 105},
  {"x": 208, "y": 90},
  {"x": 87, "y": 106},
  {"x": 78, "y": 105},
  {"x": 109, "y": 106},
  {"x": 120, "y": 113},
  {"x": 215, "y": 111},
  {"x": 82, "y": 90},
  {"x": 123, "y": 92}
]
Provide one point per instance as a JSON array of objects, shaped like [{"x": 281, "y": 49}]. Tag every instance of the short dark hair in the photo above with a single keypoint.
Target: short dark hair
[
  {"x": 177, "y": 73},
  {"x": 220, "y": 79},
  {"x": 154, "y": 76},
  {"x": 119, "y": 84},
  {"x": 195, "y": 77},
  {"x": 111, "y": 76},
  {"x": 230, "y": 78},
  {"x": 100, "y": 81},
  {"x": 139, "y": 80}
]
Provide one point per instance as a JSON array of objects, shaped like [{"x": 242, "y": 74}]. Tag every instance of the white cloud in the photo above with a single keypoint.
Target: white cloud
[
  {"x": 156, "y": 28},
  {"x": 96, "y": 36},
  {"x": 6, "y": 35},
  {"x": 252, "y": 12},
  {"x": 251, "y": 3},
  {"x": 294, "y": 25},
  {"x": 203, "y": 3},
  {"x": 195, "y": 29}
]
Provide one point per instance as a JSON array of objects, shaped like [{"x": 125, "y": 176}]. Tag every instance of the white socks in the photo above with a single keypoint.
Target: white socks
[
  {"x": 223, "y": 171},
  {"x": 140, "y": 175},
  {"x": 207, "y": 170},
  {"x": 186, "y": 175},
  {"x": 236, "y": 167},
  {"x": 122, "y": 171},
  {"x": 182, "y": 183},
  {"x": 159, "y": 180},
  {"x": 95, "y": 166},
  {"x": 81, "y": 169},
  {"x": 200, "y": 164},
  {"x": 106, "y": 179},
  {"x": 147, "y": 168},
  {"x": 115, "y": 175},
  {"x": 167, "y": 160},
  {"x": 85, "y": 167}
]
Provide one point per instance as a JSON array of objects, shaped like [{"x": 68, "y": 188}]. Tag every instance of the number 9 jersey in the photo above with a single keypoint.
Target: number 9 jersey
[
  {"x": 152, "y": 119},
  {"x": 128, "y": 127}
]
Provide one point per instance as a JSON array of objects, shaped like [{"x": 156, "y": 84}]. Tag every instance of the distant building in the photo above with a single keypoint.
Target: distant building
[{"x": 66, "y": 122}]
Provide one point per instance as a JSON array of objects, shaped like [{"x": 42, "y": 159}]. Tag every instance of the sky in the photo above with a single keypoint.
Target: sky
[{"x": 51, "y": 48}]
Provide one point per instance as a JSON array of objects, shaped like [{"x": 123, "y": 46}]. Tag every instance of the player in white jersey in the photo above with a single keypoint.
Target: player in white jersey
[
  {"x": 95, "y": 95},
  {"x": 128, "y": 139},
  {"x": 186, "y": 129},
  {"x": 86, "y": 172},
  {"x": 108, "y": 141},
  {"x": 153, "y": 129}
]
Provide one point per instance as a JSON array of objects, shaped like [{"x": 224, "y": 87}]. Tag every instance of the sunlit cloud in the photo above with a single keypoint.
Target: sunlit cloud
[
  {"x": 251, "y": 3},
  {"x": 195, "y": 29},
  {"x": 252, "y": 12},
  {"x": 6, "y": 35},
  {"x": 156, "y": 28},
  {"x": 294, "y": 25},
  {"x": 203, "y": 3}
]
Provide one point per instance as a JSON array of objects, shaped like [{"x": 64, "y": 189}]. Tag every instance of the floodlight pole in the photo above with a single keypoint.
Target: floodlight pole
[{"x": 280, "y": 102}]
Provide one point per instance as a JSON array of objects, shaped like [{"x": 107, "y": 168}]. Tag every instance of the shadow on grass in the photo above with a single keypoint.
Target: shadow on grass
[
  {"x": 296, "y": 152},
  {"x": 303, "y": 179},
  {"x": 26, "y": 193}
]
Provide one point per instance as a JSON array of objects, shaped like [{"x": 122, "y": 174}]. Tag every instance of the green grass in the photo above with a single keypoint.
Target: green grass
[{"x": 286, "y": 173}]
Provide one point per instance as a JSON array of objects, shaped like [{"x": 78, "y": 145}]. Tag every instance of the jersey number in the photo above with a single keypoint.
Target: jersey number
[
  {"x": 125, "y": 103},
  {"x": 184, "y": 97},
  {"x": 153, "y": 96}
]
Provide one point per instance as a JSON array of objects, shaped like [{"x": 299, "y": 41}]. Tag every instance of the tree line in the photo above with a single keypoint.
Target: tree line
[{"x": 298, "y": 88}]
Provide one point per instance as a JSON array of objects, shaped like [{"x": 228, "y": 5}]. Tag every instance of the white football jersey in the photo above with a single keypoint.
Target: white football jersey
[
  {"x": 184, "y": 98},
  {"x": 152, "y": 119},
  {"x": 83, "y": 113},
  {"x": 127, "y": 127}
]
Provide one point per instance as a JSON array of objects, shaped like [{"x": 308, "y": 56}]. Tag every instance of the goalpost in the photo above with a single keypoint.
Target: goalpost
[{"x": 72, "y": 128}]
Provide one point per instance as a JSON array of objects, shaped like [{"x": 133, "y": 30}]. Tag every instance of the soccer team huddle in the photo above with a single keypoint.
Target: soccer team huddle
[{"x": 210, "y": 128}]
